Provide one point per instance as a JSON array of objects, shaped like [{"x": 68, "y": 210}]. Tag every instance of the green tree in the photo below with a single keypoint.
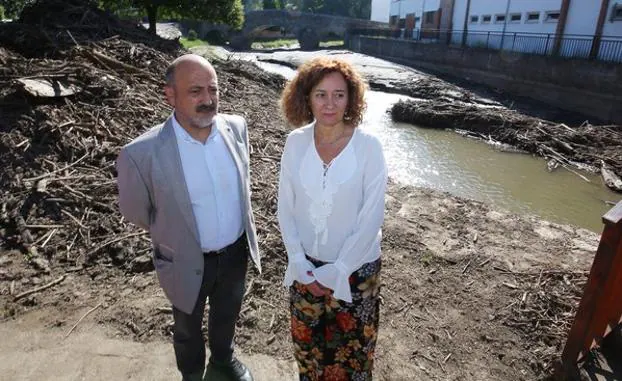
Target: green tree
[
  {"x": 1, "y": 12},
  {"x": 312, "y": 6},
  {"x": 229, "y": 12},
  {"x": 336, "y": 7},
  {"x": 271, "y": 4},
  {"x": 360, "y": 9},
  {"x": 12, "y": 8}
]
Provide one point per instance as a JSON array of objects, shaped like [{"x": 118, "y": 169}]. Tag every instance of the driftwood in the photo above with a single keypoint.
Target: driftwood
[
  {"x": 38, "y": 289},
  {"x": 582, "y": 147},
  {"x": 58, "y": 193},
  {"x": 82, "y": 318},
  {"x": 610, "y": 177}
]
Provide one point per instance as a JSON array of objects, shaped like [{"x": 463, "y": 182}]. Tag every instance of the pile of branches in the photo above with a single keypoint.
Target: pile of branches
[
  {"x": 586, "y": 146},
  {"x": 542, "y": 308},
  {"x": 47, "y": 28},
  {"x": 63, "y": 121}
]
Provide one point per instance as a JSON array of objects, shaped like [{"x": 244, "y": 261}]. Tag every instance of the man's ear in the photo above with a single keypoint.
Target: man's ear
[{"x": 169, "y": 92}]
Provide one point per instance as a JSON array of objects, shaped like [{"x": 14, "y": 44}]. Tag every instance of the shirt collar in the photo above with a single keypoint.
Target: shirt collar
[{"x": 183, "y": 135}]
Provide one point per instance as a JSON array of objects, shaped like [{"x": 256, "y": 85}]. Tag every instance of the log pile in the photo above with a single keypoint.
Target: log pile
[
  {"x": 67, "y": 105},
  {"x": 587, "y": 147}
]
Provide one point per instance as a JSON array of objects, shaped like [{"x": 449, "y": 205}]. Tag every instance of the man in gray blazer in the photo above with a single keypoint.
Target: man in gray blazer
[{"x": 187, "y": 183}]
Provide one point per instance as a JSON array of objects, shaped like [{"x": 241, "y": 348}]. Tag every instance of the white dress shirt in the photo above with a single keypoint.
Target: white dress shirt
[
  {"x": 334, "y": 215},
  {"x": 213, "y": 186}
]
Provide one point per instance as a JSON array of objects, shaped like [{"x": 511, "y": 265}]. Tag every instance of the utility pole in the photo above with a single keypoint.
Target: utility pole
[
  {"x": 561, "y": 27},
  {"x": 599, "y": 29},
  {"x": 505, "y": 22},
  {"x": 466, "y": 23}
]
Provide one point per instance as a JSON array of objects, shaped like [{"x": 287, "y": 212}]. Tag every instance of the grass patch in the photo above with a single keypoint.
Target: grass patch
[
  {"x": 285, "y": 43},
  {"x": 281, "y": 43},
  {"x": 328, "y": 44},
  {"x": 191, "y": 43}
]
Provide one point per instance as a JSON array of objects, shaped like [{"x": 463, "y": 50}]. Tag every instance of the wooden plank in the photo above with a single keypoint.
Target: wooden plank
[
  {"x": 592, "y": 295},
  {"x": 616, "y": 313},
  {"x": 608, "y": 305},
  {"x": 614, "y": 215}
]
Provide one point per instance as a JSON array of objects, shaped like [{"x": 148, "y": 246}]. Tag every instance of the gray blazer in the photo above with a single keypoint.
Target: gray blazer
[{"x": 154, "y": 196}]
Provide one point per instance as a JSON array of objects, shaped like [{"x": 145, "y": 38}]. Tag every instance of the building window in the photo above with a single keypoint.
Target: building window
[
  {"x": 499, "y": 19},
  {"x": 533, "y": 17},
  {"x": 393, "y": 20},
  {"x": 402, "y": 23},
  {"x": 429, "y": 17},
  {"x": 474, "y": 19},
  {"x": 616, "y": 12},
  {"x": 486, "y": 19},
  {"x": 515, "y": 17},
  {"x": 552, "y": 16}
]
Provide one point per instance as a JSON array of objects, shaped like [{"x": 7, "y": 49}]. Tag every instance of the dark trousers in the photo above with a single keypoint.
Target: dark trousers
[{"x": 223, "y": 286}]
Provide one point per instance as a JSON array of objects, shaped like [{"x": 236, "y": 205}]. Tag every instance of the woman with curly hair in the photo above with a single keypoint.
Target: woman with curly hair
[{"x": 330, "y": 209}]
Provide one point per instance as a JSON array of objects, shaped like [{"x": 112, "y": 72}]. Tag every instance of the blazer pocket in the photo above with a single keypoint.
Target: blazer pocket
[{"x": 163, "y": 253}]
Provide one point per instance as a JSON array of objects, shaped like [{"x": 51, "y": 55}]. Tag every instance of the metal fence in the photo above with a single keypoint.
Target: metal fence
[{"x": 604, "y": 48}]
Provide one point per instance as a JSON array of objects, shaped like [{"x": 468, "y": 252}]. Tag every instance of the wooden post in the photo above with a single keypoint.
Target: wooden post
[
  {"x": 466, "y": 23},
  {"x": 598, "y": 33},
  {"x": 600, "y": 308},
  {"x": 561, "y": 26}
]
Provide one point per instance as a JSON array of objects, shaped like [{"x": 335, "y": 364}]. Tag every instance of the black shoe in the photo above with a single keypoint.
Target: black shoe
[
  {"x": 192, "y": 377},
  {"x": 232, "y": 371}
]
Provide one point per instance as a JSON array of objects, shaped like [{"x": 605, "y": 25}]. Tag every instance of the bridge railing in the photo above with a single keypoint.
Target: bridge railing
[{"x": 604, "y": 48}]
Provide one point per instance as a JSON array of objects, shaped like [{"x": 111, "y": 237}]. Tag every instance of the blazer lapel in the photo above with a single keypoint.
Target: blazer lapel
[
  {"x": 225, "y": 131},
  {"x": 170, "y": 162}
]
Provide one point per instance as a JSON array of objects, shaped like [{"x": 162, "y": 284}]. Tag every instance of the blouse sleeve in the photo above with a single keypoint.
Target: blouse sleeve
[
  {"x": 298, "y": 266},
  {"x": 369, "y": 223}
]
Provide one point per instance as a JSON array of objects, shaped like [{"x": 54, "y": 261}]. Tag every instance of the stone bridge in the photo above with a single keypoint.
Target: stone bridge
[{"x": 309, "y": 28}]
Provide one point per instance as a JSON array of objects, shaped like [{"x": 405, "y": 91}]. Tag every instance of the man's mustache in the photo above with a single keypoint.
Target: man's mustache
[{"x": 206, "y": 108}]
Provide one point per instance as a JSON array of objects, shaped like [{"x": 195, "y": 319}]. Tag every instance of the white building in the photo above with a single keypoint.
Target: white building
[
  {"x": 530, "y": 26},
  {"x": 405, "y": 9},
  {"x": 380, "y": 10}
]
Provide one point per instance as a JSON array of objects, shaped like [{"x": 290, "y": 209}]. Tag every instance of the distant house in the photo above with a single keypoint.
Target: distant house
[
  {"x": 530, "y": 26},
  {"x": 415, "y": 14}
]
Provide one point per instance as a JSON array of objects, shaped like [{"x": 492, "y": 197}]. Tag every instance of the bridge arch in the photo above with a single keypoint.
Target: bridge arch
[{"x": 309, "y": 28}]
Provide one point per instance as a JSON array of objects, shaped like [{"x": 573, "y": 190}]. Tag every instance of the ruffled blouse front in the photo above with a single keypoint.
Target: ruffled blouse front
[{"x": 331, "y": 212}]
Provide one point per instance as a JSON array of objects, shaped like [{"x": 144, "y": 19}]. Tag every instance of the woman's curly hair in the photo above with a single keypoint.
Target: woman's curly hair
[{"x": 295, "y": 98}]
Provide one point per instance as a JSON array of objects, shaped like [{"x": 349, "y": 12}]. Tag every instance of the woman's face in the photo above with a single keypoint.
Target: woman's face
[{"x": 329, "y": 99}]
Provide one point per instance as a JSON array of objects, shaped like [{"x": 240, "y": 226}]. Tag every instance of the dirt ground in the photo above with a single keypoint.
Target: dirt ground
[{"x": 468, "y": 292}]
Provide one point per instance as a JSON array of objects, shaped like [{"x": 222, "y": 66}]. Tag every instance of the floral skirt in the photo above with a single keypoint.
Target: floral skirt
[{"x": 335, "y": 340}]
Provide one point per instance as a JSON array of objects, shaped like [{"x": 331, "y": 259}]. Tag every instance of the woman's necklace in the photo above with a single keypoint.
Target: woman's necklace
[{"x": 343, "y": 135}]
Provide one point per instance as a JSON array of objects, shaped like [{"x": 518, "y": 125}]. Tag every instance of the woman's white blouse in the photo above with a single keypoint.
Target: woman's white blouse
[{"x": 334, "y": 215}]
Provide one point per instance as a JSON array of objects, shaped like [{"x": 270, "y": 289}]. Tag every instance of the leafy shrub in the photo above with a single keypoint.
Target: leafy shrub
[{"x": 215, "y": 37}]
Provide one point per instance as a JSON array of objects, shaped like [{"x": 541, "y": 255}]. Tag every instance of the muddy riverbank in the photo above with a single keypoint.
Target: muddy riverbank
[{"x": 468, "y": 292}]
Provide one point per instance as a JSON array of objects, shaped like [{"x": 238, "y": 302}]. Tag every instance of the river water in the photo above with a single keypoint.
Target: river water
[{"x": 450, "y": 162}]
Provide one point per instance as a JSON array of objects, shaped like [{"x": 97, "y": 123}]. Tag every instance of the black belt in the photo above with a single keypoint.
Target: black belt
[{"x": 239, "y": 243}]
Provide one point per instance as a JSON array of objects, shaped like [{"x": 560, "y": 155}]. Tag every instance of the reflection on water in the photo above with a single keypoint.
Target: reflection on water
[{"x": 469, "y": 168}]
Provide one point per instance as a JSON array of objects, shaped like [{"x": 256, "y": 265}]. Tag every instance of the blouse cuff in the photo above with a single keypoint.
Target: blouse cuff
[
  {"x": 298, "y": 267},
  {"x": 336, "y": 277}
]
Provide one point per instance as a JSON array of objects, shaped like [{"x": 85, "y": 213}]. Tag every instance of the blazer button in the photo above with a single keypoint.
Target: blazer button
[{"x": 197, "y": 271}]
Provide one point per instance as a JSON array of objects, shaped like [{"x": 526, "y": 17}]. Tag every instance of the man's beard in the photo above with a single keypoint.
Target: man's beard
[{"x": 207, "y": 120}]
